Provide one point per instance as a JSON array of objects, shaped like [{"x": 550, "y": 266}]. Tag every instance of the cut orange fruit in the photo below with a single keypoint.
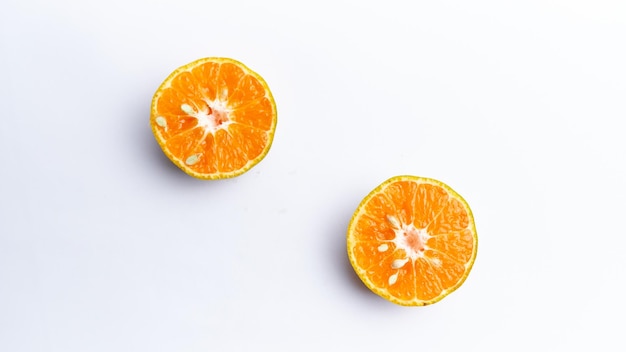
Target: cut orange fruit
[
  {"x": 412, "y": 240},
  {"x": 214, "y": 118}
]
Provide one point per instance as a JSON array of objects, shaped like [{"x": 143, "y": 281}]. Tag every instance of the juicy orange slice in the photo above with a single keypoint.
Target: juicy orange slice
[
  {"x": 214, "y": 118},
  {"x": 412, "y": 240}
]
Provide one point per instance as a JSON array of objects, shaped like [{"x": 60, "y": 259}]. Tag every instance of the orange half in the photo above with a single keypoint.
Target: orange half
[
  {"x": 412, "y": 240},
  {"x": 214, "y": 118}
]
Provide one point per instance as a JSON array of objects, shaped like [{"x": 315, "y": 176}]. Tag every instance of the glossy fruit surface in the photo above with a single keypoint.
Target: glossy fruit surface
[
  {"x": 214, "y": 118},
  {"x": 412, "y": 240}
]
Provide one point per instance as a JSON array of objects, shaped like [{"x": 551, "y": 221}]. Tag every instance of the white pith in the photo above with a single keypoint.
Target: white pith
[
  {"x": 403, "y": 235},
  {"x": 207, "y": 117}
]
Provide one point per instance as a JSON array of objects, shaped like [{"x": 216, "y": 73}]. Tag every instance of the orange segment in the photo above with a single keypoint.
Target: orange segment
[
  {"x": 214, "y": 118},
  {"x": 256, "y": 113},
  {"x": 412, "y": 240}
]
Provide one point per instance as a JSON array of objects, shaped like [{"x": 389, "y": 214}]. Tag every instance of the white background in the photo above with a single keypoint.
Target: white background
[{"x": 106, "y": 246}]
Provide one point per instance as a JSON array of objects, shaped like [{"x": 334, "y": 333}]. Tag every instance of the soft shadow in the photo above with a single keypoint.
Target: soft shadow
[
  {"x": 342, "y": 212},
  {"x": 149, "y": 146},
  {"x": 156, "y": 161},
  {"x": 157, "y": 158}
]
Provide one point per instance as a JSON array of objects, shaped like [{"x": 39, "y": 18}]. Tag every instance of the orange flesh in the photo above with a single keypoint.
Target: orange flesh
[
  {"x": 421, "y": 226},
  {"x": 215, "y": 117}
]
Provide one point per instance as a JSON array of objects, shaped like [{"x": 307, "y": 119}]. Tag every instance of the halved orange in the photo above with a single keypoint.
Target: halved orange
[
  {"x": 214, "y": 118},
  {"x": 412, "y": 240}
]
